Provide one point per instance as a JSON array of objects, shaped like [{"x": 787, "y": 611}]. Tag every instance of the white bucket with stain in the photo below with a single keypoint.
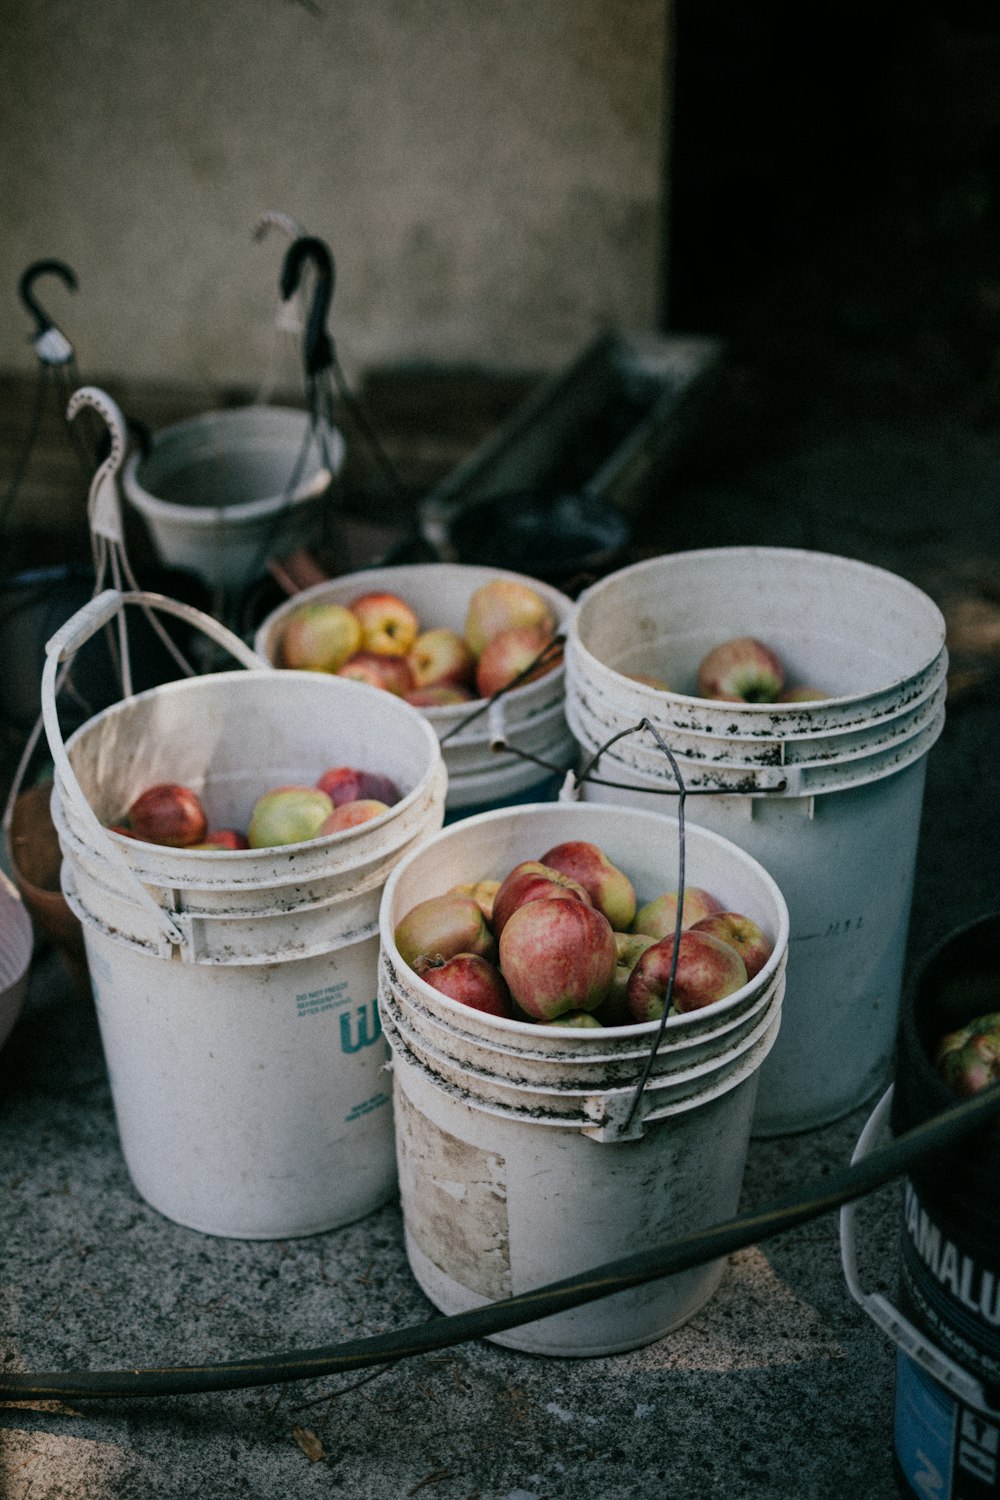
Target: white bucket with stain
[
  {"x": 518, "y": 1161},
  {"x": 825, "y": 794},
  {"x": 532, "y": 718},
  {"x": 235, "y": 990},
  {"x": 223, "y": 492}
]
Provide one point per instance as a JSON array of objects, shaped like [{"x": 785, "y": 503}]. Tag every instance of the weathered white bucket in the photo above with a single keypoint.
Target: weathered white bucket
[
  {"x": 518, "y": 1163},
  {"x": 248, "y": 1081},
  {"x": 223, "y": 492},
  {"x": 825, "y": 794},
  {"x": 529, "y": 717}
]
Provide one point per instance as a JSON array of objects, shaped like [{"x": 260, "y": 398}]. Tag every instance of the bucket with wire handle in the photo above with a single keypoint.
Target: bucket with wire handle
[
  {"x": 528, "y": 1152},
  {"x": 235, "y": 988},
  {"x": 946, "y": 1319}
]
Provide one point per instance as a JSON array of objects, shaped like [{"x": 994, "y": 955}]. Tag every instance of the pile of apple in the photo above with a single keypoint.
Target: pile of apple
[
  {"x": 378, "y": 639},
  {"x": 344, "y": 796},
  {"x": 969, "y": 1059},
  {"x": 741, "y": 670},
  {"x": 560, "y": 941}
]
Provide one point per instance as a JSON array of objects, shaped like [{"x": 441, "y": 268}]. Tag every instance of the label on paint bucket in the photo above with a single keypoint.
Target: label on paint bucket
[
  {"x": 953, "y": 1297},
  {"x": 946, "y": 1450}
]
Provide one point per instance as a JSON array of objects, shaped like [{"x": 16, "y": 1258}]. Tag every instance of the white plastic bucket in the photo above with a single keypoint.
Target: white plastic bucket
[
  {"x": 518, "y": 1163},
  {"x": 235, "y": 990},
  {"x": 825, "y": 794},
  {"x": 531, "y": 717},
  {"x": 223, "y": 492}
]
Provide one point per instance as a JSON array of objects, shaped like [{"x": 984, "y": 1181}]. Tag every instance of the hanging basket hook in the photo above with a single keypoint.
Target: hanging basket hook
[
  {"x": 51, "y": 346},
  {"x": 318, "y": 350}
]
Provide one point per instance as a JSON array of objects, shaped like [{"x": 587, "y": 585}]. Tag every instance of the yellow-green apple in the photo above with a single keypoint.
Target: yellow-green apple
[
  {"x": 629, "y": 946},
  {"x": 389, "y": 626},
  {"x": 707, "y": 970},
  {"x": 350, "y": 814},
  {"x": 471, "y": 980},
  {"x": 742, "y": 933},
  {"x": 658, "y": 918},
  {"x": 319, "y": 637},
  {"x": 801, "y": 695},
  {"x": 482, "y": 891},
  {"x": 288, "y": 815},
  {"x": 389, "y": 672},
  {"x": 349, "y": 783},
  {"x": 444, "y": 695},
  {"x": 532, "y": 881},
  {"x": 504, "y": 604},
  {"x": 441, "y": 658},
  {"x": 557, "y": 956},
  {"x": 223, "y": 838},
  {"x": 583, "y": 1019},
  {"x": 168, "y": 813},
  {"x": 441, "y": 926},
  {"x": 742, "y": 670},
  {"x": 509, "y": 658},
  {"x": 608, "y": 887},
  {"x": 969, "y": 1059}
]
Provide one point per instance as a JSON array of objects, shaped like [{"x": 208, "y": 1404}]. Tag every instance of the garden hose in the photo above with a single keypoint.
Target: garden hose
[{"x": 679, "y": 1254}]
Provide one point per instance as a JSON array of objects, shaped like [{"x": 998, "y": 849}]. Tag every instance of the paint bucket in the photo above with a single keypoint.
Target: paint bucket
[
  {"x": 518, "y": 1162},
  {"x": 825, "y": 794},
  {"x": 531, "y": 717},
  {"x": 947, "y": 1324},
  {"x": 223, "y": 492},
  {"x": 235, "y": 989}
]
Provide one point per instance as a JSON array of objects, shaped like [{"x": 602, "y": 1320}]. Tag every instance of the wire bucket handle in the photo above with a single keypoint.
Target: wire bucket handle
[{"x": 68, "y": 639}]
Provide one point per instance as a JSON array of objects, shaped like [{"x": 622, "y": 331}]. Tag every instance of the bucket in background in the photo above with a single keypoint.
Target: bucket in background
[
  {"x": 825, "y": 794},
  {"x": 223, "y": 492},
  {"x": 947, "y": 1324},
  {"x": 240, "y": 1030},
  {"x": 530, "y": 717},
  {"x": 517, "y": 1162}
]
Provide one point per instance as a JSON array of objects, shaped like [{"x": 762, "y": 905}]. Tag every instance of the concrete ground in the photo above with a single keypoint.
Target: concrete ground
[{"x": 857, "y": 414}]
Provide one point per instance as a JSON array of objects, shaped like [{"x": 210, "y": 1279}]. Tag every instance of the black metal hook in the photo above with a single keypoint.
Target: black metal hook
[
  {"x": 43, "y": 268},
  {"x": 317, "y": 346}
]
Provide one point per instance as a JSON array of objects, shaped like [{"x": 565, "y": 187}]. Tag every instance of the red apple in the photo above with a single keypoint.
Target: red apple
[
  {"x": 319, "y": 637},
  {"x": 510, "y": 654},
  {"x": 658, "y": 918},
  {"x": 389, "y": 626},
  {"x": 557, "y": 956},
  {"x": 350, "y": 814},
  {"x": 483, "y": 891},
  {"x": 382, "y": 671},
  {"x": 441, "y": 658},
  {"x": 532, "y": 881},
  {"x": 168, "y": 814},
  {"x": 442, "y": 926},
  {"x": 470, "y": 979},
  {"x": 441, "y": 696},
  {"x": 287, "y": 815},
  {"x": 743, "y": 670},
  {"x": 609, "y": 888},
  {"x": 741, "y": 933},
  {"x": 707, "y": 970},
  {"x": 349, "y": 783},
  {"x": 223, "y": 838},
  {"x": 969, "y": 1059},
  {"x": 504, "y": 604}
]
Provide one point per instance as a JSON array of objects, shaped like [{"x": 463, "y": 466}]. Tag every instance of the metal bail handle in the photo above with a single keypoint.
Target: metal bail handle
[
  {"x": 65, "y": 643},
  {"x": 883, "y": 1312}
]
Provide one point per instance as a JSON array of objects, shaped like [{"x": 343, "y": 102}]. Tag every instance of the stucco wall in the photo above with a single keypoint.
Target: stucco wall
[{"x": 488, "y": 174}]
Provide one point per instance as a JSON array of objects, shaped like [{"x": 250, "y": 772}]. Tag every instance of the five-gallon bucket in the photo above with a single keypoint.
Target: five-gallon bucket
[
  {"x": 481, "y": 773},
  {"x": 825, "y": 794},
  {"x": 947, "y": 1324},
  {"x": 223, "y": 492},
  {"x": 235, "y": 989},
  {"x": 528, "y": 1152}
]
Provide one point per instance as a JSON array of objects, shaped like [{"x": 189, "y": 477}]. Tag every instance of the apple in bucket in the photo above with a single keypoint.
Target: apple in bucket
[
  {"x": 532, "y": 881},
  {"x": 741, "y": 933},
  {"x": 320, "y": 637},
  {"x": 389, "y": 626},
  {"x": 288, "y": 815},
  {"x": 167, "y": 813},
  {"x": 741, "y": 670},
  {"x": 502, "y": 605},
  {"x": 609, "y": 888},
  {"x": 707, "y": 970},
  {"x": 557, "y": 956},
  {"x": 441, "y": 926},
  {"x": 349, "y": 783},
  {"x": 471, "y": 980},
  {"x": 441, "y": 658},
  {"x": 380, "y": 670},
  {"x": 658, "y": 918},
  {"x": 516, "y": 656}
]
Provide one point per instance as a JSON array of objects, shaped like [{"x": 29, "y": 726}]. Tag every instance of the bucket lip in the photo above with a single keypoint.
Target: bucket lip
[
  {"x": 587, "y": 1037},
  {"x": 343, "y": 836},
  {"x": 786, "y": 711}
]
